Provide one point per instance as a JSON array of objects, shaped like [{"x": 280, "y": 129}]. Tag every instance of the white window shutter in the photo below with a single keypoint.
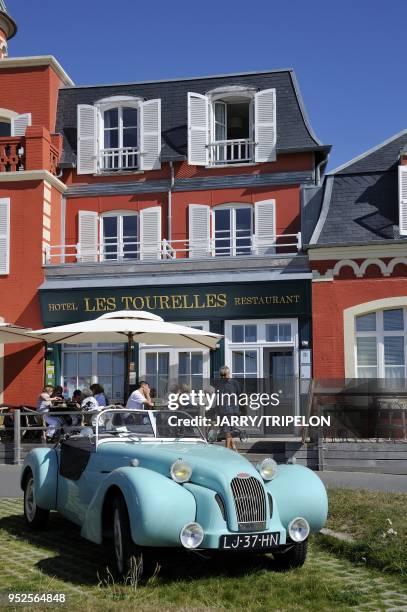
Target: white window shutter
[
  {"x": 265, "y": 126},
  {"x": 19, "y": 124},
  {"x": 4, "y": 236},
  {"x": 403, "y": 200},
  {"x": 199, "y": 230},
  {"x": 198, "y": 129},
  {"x": 88, "y": 236},
  {"x": 150, "y": 233},
  {"x": 150, "y": 135},
  {"x": 265, "y": 227},
  {"x": 87, "y": 139}
]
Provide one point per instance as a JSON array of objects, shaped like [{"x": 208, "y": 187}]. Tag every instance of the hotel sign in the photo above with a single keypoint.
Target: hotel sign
[{"x": 284, "y": 298}]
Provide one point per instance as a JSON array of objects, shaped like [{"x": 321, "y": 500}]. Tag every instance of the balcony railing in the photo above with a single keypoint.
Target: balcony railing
[
  {"x": 284, "y": 245},
  {"x": 223, "y": 152},
  {"x": 112, "y": 160},
  {"x": 12, "y": 154}
]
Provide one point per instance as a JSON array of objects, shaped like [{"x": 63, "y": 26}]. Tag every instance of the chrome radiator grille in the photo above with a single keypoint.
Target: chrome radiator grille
[{"x": 250, "y": 503}]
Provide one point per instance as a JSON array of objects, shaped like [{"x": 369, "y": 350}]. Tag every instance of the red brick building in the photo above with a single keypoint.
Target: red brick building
[
  {"x": 30, "y": 200},
  {"x": 358, "y": 254},
  {"x": 183, "y": 197}
]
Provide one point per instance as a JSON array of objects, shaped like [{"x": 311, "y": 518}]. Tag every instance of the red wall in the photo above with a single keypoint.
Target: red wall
[
  {"x": 31, "y": 90},
  {"x": 287, "y": 207},
  {"x": 295, "y": 162},
  {"x": 23, "y": 365},
  {"x": 329, "y": 300},
  {"x": 108, "y": 203}
]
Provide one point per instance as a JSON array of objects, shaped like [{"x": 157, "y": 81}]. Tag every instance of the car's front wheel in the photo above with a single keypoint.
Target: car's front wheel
[
  {"x": 128, "y": 558},
  {"x": 293, "y": 557},
  {"x": 36, "y": 518}
]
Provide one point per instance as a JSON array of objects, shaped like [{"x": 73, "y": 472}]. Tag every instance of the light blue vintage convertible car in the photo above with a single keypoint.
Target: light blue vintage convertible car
[{"x": 141, "y": 482}]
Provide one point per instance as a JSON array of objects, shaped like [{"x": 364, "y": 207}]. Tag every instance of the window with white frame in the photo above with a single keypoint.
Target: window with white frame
[
  {"x": 120, "y": 149},
  {"x": 5, "y": 127},
  {"x": 232, "y": 125},
  {"x": 165, "y": 367},
  {"x": 246, "y": 341},
  {"x": 119, "y": 235},
  {"x": 381, "y": 343},
  {"x": 232, "y": 130},
  {"x": 232, "y": 229},
  {"x": 119, "y": 134},
  {"x": 85, "y": 364},
  {"x": 12, "y": 124}
]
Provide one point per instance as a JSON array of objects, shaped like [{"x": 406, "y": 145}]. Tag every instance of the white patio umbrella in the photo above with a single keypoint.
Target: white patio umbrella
[
  {"x": 131, "y": 326},
  {"x": 10, "y": 334}
]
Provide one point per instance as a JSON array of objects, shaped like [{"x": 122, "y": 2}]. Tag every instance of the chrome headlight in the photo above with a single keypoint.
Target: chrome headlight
[
  {"x": 268, "y": 469},
  {"x": 191, "y": 535},
  {"x": 298, "y": 529},
  {"x": 180, "y": 471}
]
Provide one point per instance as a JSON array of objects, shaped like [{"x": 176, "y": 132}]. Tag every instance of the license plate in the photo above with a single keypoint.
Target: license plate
[{"x": 250, "y": 541}]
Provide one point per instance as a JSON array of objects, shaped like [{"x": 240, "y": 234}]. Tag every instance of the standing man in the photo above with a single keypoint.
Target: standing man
[
  {"x": 229, "y": 390},
  {"x": 140, "y": 398}
]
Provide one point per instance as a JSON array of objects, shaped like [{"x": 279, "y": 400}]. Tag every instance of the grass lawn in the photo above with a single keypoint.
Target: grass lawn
[
  {"x": 59, "y": 561},
  {"x": 376, "y": 521}
]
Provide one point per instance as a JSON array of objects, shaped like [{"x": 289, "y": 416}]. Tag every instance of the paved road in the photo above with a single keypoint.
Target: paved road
[{"x": 9, "y": 481}]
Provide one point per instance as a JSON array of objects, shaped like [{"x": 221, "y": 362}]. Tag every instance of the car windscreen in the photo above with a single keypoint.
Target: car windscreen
[
  {"x": 175, "y": 424},
  {"x": 128, "y": 421}
]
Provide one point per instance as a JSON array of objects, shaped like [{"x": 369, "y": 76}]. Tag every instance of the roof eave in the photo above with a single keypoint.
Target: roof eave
[
  {"x": 366, "y": 153},
  {"x": 37, "y": 60},
  {"x": 334, "y": 245}
]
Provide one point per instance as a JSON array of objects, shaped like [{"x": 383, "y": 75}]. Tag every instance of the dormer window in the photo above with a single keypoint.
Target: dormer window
[
  {"x": 233, "y": 125},
  {"x": 232, "y": 131},
  {"x": 120, "y": 139},
  {"x": 119, "y": 134}
]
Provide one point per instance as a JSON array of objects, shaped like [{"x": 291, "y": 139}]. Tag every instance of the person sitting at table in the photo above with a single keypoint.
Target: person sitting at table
[
  {"x": 45, "y": 403},
  {"x": 99, "y": 394},
  {"x": 140, "y": 398},
  {"x": 77, "y": 397},
  {"x": 58, "y": 394},
  {"x": 75, "y": 404},
  {"x": 90, "y": 404}
]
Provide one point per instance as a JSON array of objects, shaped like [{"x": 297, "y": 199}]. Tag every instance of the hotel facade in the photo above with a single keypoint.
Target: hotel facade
[{"x": 202, "y": 200}]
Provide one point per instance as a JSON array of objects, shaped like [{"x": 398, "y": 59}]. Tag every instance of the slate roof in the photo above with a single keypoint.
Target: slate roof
[
  {"x": 360, "y": 203},
  {"x": 293, "y": 130}
]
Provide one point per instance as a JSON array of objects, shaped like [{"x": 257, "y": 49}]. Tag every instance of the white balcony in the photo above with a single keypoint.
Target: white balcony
[
  {"x": 113, "y": 160},
  {"x": 225, "y": 152},
  {"x": 248, "y": 245}
]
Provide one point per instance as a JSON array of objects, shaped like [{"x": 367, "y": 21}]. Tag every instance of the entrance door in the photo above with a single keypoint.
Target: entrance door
[
  {"x": 280, "y": 371},
  {"x": 263, "y": 354}
]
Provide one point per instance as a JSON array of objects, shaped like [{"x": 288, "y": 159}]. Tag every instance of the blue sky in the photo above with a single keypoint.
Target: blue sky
[{"x": 349, "y": 56}]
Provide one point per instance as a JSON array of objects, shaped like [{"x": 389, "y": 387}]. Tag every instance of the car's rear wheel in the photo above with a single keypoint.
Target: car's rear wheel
[
  {"x": 293, "y": 557},
  {"x": 128, "y": 557},
  {"x": 36, "y": 518}
]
